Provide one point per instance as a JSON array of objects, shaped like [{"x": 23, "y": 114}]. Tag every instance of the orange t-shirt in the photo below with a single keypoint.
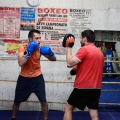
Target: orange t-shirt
[{"x": 32, "y": 67}]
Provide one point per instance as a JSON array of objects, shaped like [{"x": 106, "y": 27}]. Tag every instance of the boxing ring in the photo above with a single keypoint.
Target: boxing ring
[
  {"x": 109, "y": 104},
  {"x": 110, "y": 96}
]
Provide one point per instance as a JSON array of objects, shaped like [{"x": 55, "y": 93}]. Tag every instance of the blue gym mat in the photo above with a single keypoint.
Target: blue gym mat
[{"x": 57, "y": 115}]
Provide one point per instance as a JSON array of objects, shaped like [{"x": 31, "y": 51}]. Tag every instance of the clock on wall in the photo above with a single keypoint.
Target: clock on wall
[{"x": 33, "y": 3}]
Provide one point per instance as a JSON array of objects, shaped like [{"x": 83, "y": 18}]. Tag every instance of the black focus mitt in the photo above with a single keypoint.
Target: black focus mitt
[
  {"x": 73, "y": 70},
  {"x": 68, "y": 40}
]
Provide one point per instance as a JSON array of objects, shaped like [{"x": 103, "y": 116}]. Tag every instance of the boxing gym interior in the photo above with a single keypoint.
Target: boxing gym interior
[{"x": 54, "y": 19}]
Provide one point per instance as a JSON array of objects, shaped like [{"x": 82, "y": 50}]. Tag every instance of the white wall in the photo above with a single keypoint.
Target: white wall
[{"x": 105, "y": 16}]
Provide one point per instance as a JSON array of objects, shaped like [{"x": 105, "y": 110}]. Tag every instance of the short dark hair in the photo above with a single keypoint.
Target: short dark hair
[
  {"x": 31, "y": 33},
  {"x": 89, "y": 34}
]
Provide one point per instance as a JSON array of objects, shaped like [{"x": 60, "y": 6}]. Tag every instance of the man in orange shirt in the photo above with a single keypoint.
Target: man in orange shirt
[
  {"x": 30, "y": 79},
  {"x": 87, "y": 85}
]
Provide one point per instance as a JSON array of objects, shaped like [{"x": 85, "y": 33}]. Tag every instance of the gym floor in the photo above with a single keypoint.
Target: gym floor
[{"x": 57, "y": 115}]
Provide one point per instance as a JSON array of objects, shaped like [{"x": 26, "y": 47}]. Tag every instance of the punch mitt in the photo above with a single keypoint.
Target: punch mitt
[
  {"x": 73, "y": 70},
  {"x": 68, "y": 40}
]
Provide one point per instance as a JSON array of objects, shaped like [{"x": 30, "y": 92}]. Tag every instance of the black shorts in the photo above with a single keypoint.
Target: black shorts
[
  {"x": 25, "y": 86},
  {"x": 80, "y": 98}
]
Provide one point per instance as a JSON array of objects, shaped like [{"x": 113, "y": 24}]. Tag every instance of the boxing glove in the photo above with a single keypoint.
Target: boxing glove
[
  {"x": 46, "y": 50},
  {"x": 68, "y": 40},
  {"x": 32, "y": 46}
]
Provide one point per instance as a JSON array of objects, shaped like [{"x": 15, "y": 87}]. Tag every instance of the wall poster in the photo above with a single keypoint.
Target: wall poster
[
  {"x": 54, "y": 23},
  {"x": 79, "y": 20},
  {"x": 9, "y": 22},
  {"x": 27, "y": 18}
]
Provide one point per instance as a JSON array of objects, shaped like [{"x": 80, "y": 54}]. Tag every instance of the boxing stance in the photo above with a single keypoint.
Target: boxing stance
[
  {"x": 30, "y": 79},
  {"x": 87, "y": 85}
]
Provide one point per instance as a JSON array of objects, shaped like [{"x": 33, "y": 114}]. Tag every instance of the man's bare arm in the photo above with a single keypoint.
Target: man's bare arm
[
  {"x": 70, "y": 59},
  {"x": 21, "y": 60}
]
